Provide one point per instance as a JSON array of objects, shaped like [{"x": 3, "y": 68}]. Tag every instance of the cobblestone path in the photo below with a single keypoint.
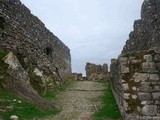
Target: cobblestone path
[{"x": 80, "y": 101}]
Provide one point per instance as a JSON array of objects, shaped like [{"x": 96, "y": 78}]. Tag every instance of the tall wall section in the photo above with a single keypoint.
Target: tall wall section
[
  {"x": 36, "y": 58},
  {"x": 136, "y": 85},
  {"x": 25, "y": 35},
  {"x": 146, "y": 32},
  {"x": 135, "y": 74}
]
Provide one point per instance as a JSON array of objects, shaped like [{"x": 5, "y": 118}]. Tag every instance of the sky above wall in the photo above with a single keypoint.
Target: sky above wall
[{"x": 94, "y": 30}]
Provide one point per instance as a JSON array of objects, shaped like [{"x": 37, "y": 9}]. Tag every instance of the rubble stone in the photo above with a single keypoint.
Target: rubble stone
[{"x": 149, "y": 110}]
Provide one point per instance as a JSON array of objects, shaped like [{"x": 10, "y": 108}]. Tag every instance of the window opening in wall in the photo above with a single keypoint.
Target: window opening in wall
[
  {"x": 2, "y": 23},
  {"x": 48, "y": 51}
]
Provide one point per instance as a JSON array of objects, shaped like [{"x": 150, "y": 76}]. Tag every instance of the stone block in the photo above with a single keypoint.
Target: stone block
[
  {"x": 132, "y": 58},
  {"x": 134, "y": 96},
  {"x": 148, "y": 58},
  {"x": 125, "y": 86},
  {"x": 149, "y": 87},
  {"x": 147, "y": 102},
  {"x": 140, "y": 77},
  {"x": 156, "y": 95},
  {"x": 123, "y": 60},
  {"x": 145, "y": 87},
  {"x": 134, "y": 88},
  {"x": 158, "y": 66},
  {"x": 126, "y": 95},
  {"x": 156, "y": 118},
  {"x": 144, "y": 96},
  {"x": 132, "y": 117},
  {"x": 149, "y": 67},
  {"x": 136, "y": 61},
  {"x": 124, "y": 69},
  {"x": 157, "y": 58},
  {"x": 149, "y": 110},
  {"x": 154, "y": 77},
  {"x": 125, "y": 105},
  {"x": 145, "y": 118},
  {"x": 157, "y": 102}
]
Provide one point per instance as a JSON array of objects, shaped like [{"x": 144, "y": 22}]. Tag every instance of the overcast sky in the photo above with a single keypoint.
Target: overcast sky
[{"x": 94, "y": 30}]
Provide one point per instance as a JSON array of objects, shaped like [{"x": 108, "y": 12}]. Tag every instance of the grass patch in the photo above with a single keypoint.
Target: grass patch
[
  {"x": 109, "y": 107},
  {"x": 2, "y": 54},
  {"x": 24, "y": 110},
  {"x": 66, "y": 85},
  {"x": 49, "y": 96}
]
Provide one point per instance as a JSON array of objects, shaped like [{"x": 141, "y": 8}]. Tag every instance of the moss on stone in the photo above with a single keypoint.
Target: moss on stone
[
  {"x": 128, "y": 78},
  {"x": 3, "y": 67},
  {"x": 133, "y": 104},
  {"x": 3, "y": 54}
]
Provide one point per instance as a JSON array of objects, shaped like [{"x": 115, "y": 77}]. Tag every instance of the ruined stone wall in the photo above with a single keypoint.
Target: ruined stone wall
[
  {"x": 77, "y": 76},
  {"x": 146, "y": 32},
  {"x": 96, "y": 72},
  {"x": 135, "y": 74},
  {"x": 25, "y": 35},
  {"x": 44, "y": 60},
  {"x": 135, "y": 83}
]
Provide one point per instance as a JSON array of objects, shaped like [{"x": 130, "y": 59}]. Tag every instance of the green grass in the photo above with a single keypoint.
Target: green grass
[
  {"x": 109, "y": 107},
  {"x": 24, "y": 110},
  {"x": 2, "y": 54},
  {"x": 50, "y": 96}
]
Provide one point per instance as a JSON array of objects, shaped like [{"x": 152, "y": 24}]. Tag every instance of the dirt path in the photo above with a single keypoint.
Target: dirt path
[{"x": 80, "y": 101}]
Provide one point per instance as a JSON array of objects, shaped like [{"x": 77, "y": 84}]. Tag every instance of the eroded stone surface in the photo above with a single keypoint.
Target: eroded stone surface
[{"x": 137, "y": 92}]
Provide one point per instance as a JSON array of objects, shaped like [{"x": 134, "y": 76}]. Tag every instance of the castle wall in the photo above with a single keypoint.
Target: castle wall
[
  {"x": 135, "y": 74},
  {"x": 44, "y": 61},
  {"x": 135, "y": 83},
  {"x": 25, "y": 35},
  {"x": 146, "y": 33},
  {"x": 96, "y": 72}
]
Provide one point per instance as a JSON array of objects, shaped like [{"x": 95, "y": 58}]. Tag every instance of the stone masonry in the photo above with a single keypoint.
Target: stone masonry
[
  {"x": 135, "y": 74},
  {"x": 135, "y": 82},
  {"x": 146, "y": 32},
  {"x": 96, "y": 72},
  {"x": 45, "y": 60},
  {"x": 77, "y": 76}
]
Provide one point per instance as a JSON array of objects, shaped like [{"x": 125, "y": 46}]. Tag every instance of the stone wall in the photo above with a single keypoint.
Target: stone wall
[
  {"x": 77, "y": 76},
  {"x": 146, "y": 32},
  {"x": 135, "y": 83},
  {"x": 96, "y": 72},
  {"x": 27, "y": 37},
  {"x": 135, "y": 74},
  {"x": 45, "y": 59}
]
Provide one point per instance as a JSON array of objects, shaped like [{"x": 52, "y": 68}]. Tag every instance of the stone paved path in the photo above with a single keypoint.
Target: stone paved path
[{"x": 80, "y": 101}]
